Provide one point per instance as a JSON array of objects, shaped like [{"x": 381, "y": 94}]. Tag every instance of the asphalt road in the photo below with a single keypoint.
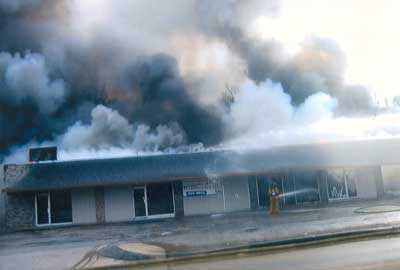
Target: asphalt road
[{"x": 383, "y": 254}]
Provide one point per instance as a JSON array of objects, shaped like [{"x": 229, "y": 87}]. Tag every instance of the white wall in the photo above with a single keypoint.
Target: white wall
[
  {"x": 213, "y": 203},
  {"x": 365, "y": 183},
  {"x": 391, "y": 179},
  {"x": 118, "y": 204},
  {"x": 83, "y": 206},
  {"x": 236, "y": 191},
  {"x": 232, "y": 195}
]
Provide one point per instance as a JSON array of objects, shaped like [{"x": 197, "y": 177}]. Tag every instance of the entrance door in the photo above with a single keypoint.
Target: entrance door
[
  {"x": 160, "y": 200},
  {"x": 139, "y": 195}
]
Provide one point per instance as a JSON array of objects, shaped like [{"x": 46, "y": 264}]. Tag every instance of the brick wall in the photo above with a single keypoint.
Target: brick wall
[
  {"x": 20, "y": 211},
  {"x": 13, "y": 173},
  {"x": 19, "y": 208}
]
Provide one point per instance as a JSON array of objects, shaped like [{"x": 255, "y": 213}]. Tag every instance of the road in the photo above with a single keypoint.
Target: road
[
  {"x": 63, "y": 247},
  {"x": 382, "y": 254}
]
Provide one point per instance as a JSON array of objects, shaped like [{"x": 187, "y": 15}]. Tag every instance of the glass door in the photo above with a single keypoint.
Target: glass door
[
  {"x": 140, "y": 202},
  {"x": 42, "y": 208},
  {"x": 160, "y": 200}
]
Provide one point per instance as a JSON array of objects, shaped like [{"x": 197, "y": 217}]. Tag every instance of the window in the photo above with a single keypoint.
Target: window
[
  {"x": 53, "y": 207},
  {"x": 341, "y": 184},
  {"x": 306, "y": 187}
]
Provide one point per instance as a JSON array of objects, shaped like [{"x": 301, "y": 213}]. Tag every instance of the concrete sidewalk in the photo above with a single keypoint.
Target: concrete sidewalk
[{"x": 63, "y": 247}]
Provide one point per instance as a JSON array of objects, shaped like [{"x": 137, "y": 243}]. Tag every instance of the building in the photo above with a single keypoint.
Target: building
[
  {"x": 2, "y": 206},
  {"x": 54, "y": 193}
]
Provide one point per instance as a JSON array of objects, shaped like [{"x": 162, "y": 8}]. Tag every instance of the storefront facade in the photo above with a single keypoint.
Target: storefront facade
[
  {"x": 41, "y": 195},
  {"x": 301, "y": 188}
]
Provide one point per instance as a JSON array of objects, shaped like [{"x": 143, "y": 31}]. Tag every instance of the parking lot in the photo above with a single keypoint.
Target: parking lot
[{"x": 61, "y": 248}]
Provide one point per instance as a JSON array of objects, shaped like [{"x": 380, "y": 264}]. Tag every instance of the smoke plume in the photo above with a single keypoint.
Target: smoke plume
[{"x": 149, "y": 76}]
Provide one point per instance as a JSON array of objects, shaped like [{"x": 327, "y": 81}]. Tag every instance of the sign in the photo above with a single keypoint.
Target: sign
[{"x": 199, "y": 188}]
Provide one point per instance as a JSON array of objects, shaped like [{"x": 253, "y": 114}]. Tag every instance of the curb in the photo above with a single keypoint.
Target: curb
[{"x": 273, "y": 247}]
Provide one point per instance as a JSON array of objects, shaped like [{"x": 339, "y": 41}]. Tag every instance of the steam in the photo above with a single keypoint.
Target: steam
[{"x": 263, "y": 115}]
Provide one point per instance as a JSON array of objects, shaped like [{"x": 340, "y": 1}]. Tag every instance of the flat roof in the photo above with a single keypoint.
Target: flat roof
[{"x": 170, "y": 167}]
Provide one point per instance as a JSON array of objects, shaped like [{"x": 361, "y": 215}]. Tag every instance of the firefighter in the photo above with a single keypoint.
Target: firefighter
[{"x": 274, "y": 193}]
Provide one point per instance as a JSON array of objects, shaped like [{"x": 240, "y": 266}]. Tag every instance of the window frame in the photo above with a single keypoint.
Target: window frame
[
  {"x": 148, "y": 216},
  {"x": 49, "y": 222},
  {"x": 346, "y": 179}
]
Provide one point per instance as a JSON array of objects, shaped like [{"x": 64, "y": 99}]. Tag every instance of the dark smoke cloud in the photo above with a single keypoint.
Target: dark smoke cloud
[
  {"x": 43, "y": 94},
  {"x": 158, "y": 95},
  {"x": 12, "y": 6}
]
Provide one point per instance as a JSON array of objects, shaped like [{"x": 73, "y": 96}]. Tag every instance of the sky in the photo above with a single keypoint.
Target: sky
[{"x": 360, "y": 27}]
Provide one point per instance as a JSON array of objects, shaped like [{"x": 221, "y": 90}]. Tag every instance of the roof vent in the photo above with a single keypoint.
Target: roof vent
[{"x": 42, "y": 154}]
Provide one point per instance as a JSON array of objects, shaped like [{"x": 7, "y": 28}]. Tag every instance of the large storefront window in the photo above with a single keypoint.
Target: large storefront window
[
  {"x": 289, "y": 191},
  {"x": 264, "y": 183},
  {"x": 160, "y": 199},
  {"x": 306, "y": 187},
  {"x": 297, "y": 188},
  {"x": 341, "y": 184},
  {"x": 53, "y": 207},
  {"x": 153, "y": 200}
]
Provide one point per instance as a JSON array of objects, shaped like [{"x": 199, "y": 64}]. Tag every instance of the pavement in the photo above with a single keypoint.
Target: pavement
[
  {"x": 375, "y": 254},
  {"x": 95, "y": 245}
]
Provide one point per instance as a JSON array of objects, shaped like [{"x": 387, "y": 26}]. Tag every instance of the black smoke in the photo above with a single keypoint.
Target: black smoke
[{"x": 145, "y": 89}]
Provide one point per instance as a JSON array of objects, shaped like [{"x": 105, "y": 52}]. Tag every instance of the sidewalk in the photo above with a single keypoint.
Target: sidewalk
[{"x": 64, "y": 247}]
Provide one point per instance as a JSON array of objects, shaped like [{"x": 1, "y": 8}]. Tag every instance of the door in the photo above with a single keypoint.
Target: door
[
  {"x": 160, "y": 200},
  {"x": 139, "y": 195},
  {"x": 42, "y": 208}
]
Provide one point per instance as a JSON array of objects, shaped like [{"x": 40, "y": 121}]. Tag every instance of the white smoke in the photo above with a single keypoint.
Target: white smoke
[
  {"x": 27, "y": 77},
  {"x": 263, "y": 116},
  {"x": 111, "y": 135},
  {"x": 109, "y": 130}
]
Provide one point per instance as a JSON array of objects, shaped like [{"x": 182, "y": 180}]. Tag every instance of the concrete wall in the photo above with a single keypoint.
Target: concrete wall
[
  {"x": 83, "y": 206},
  {"x": 118, "y": 204},
  {"x": 236, "y": 191}
]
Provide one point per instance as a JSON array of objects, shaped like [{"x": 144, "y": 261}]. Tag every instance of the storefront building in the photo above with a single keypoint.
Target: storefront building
[{"x": 45, "y": 194}]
